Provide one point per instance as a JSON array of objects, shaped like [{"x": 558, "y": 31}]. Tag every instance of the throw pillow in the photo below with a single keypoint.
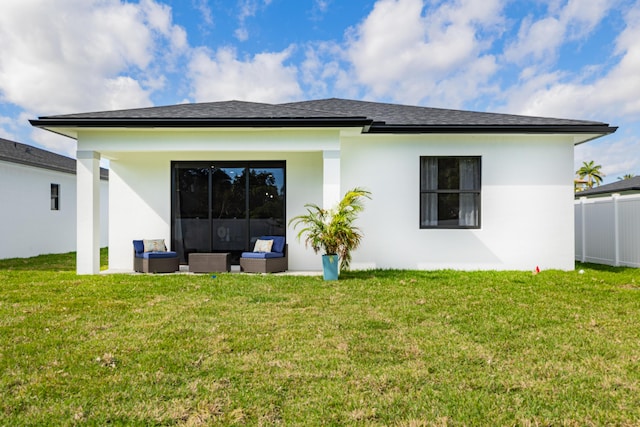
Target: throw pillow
[
  {"x": 263, "y": 246},
  {"x": 154, "y": 245}
]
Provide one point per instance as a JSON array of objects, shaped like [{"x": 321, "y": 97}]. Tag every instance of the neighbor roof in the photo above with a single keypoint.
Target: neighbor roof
[
  {"x": 373, "y": 117},
  {"x": 621, "y": 186},
  {"x": 15, "y": 152}
]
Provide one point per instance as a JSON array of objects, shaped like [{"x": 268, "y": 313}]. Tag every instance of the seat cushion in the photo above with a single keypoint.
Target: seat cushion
[
  {"x": 278, "y": 243},
  {"x": 156, "y": 255},
  {"x": 262, "y": 255}
]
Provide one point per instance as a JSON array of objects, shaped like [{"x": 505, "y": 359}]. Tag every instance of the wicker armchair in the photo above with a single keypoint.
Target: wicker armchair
[
  {"x": 266, "y": 262},
  {"x": 156, "y": 261}
]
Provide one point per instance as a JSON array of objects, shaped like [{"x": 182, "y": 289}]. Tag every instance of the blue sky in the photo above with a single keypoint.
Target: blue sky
[{"x": 560, "y": 58}]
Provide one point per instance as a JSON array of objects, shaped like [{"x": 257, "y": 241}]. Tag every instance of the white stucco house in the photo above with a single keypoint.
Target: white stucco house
[
  {"x": 451, "y": 189},
  {"x": 38, "y": 190}
]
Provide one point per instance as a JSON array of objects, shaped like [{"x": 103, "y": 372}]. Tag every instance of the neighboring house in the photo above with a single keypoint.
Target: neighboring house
[
  {"x": 38, "y": 192},
  {"x": 451, "y": 189},
  {"x": 623, "y": 187}
]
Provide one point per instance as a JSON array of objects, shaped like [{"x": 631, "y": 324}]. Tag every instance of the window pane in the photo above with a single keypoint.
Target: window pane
[
  {"x": 266, "y": 202},
  {"x": 428, "y": 210},
  {"x": 191, "y": 210},
  {"x": 429, "y": 173},
  {"x": 229, "y": 193},
  {"x": 469, "y": 210},
  {"x": 448, "y": 209},
  {"x": 469, "y": 174},
  {"x": 55, "y": 197},
  {"x": 448, "y": 174}
]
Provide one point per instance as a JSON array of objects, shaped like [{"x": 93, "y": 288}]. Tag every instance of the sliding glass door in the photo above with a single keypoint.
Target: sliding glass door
[{"x": 226, "y": 206}]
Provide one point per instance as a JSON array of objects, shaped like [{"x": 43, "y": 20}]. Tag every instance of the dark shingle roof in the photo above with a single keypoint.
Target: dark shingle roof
[
  {"x": 334, "y": 112},
  {"x": 408, "y": 115},
  {"x": 621, "y": 186},
  {"x": 15, "y": 152},
  {"x": 210, "y": 110}
]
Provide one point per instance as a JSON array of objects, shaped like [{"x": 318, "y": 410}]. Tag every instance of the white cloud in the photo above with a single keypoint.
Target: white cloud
[
  {"x": 323, "y": 70},
  {"x": 247, "y": 9},
  {"x": 615, "y": 93},
  {"x": 261, "y": 78},
  {"x": 321, "y": 5},
  {"x": 73, "y": 55},
  {"x": 540, "y": 40},
  {"x": 205, "y": 11},
  {"x": 242, "y": 34},
  {"x": 5, "y": 125},
  {"x": 412, "y": 54}
]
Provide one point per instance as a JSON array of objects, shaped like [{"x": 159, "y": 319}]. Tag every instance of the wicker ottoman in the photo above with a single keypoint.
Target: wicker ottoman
[{"x": 209, "y": 262}]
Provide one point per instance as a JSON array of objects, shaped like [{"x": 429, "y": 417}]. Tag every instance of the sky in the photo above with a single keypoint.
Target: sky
[{"x": 577, "y": 59}]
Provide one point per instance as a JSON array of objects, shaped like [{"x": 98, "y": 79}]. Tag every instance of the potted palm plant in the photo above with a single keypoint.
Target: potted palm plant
[{"x": 332, "y": 231}]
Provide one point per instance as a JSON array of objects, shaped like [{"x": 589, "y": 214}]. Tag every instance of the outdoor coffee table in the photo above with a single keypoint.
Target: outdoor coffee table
[{"x": 209, "y": 262}]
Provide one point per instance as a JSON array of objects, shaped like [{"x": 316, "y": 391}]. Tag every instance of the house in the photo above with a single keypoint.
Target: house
[
  {"x": 38, "y": 189},
  {"x": 451, "y": 189},
  {"x": 623, "y": 187}
]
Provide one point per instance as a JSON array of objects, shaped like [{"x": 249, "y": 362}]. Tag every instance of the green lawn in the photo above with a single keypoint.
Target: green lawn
[{"x": 375, "y": 348}]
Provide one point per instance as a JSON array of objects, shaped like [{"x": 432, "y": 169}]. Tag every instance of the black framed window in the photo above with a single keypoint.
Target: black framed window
[
  {"x": 450, "y": 192},
  {"x": 55, "y": 197}
]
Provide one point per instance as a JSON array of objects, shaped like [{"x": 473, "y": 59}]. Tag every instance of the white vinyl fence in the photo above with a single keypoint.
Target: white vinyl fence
[{"x": 608, "y": 230}]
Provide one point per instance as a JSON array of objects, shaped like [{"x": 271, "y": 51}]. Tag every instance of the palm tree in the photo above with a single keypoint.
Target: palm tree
[
  {"x": 592, "y": 172},
  {"x": 627, "y": 176},
  {"x": 332, "y": 230}
]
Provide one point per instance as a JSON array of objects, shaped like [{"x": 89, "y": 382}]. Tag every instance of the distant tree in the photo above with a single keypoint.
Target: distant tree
[
  {"x": 627, "y": 176},
  {"x": 592, "y": 172}
]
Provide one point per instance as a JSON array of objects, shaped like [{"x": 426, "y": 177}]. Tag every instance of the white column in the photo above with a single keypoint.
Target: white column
[
  {"x": 330, "y": 178},
  {"x": 88, "y": 212}
]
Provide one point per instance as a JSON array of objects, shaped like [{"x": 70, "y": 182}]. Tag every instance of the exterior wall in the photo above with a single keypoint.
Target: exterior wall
[
  {"x": 28, "y": 226},
  {"x": 526, "y": 201}
]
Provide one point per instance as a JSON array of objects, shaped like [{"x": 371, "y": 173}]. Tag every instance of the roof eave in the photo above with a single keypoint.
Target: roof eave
[
  {"x": 594, "y": 192},
  {"x": 599, "y": 129},
  {"x": 52, "y": 122}
]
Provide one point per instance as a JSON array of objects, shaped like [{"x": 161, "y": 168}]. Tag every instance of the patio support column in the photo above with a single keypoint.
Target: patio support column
[
  {"x": 330, "y": 178},
  {"x": 88, "y": 212}
]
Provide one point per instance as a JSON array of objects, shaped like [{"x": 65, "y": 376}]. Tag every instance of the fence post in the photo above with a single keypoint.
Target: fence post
[
  {"x": 583, "y": 227},
  {"x": 616, "y": 230}
]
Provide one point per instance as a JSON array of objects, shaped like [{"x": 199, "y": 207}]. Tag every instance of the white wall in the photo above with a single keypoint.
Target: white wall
[
  {"x": 527, "y": 193},
  {"x": 526, "y": 203},
  {"x": 28, "y": 226}
]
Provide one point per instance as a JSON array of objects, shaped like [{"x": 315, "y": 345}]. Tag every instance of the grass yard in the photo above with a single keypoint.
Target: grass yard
[{"x": 375, "y": 348}]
